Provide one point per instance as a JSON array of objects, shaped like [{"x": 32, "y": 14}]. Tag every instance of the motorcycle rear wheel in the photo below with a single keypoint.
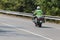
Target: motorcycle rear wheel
[{"x": 40, "y": 24}]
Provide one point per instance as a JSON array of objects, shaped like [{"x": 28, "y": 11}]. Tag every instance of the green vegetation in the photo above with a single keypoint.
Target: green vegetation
[{"x": 50, "y": 7}]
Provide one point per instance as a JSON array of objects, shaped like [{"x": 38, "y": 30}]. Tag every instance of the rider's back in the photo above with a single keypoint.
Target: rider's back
[{"x": 38, "y": 13}]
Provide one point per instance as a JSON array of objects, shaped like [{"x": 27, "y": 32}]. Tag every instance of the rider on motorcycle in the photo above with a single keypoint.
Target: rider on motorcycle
[{"x": 37, "y": 13}]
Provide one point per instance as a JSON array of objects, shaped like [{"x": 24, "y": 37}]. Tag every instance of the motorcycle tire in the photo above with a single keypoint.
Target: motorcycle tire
[{"x": 40, "y": 25}]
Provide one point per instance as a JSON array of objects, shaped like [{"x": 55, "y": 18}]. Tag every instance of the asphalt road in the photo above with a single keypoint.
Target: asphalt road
[{"x": 21, "y": 28}]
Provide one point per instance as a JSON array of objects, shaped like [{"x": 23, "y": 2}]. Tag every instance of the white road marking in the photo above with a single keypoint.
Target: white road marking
[{"x": 28, "y": 31}]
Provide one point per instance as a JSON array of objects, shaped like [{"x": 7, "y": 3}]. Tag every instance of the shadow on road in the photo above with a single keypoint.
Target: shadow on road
[
  {"x": 4, "y": 31},
  {"x": 45, "y": 27},
  {"x": 8, "y": 33}
]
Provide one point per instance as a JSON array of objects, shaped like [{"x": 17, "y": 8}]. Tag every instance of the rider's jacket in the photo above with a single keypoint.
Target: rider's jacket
[{"x": 38, "y": 13}]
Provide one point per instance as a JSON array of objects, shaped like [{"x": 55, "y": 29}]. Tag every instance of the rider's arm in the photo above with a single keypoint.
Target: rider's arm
[{"x": 34, "y": 12}]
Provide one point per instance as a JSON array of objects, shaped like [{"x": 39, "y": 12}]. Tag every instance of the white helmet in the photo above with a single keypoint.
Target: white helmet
[{"x": 38, "y": 7}]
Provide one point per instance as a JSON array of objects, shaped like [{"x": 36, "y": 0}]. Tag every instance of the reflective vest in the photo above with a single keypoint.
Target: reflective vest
[{"x": 38, "y": 13}]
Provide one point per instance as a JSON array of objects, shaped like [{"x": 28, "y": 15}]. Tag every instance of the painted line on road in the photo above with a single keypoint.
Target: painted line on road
[{"x": 28, "y": 31}]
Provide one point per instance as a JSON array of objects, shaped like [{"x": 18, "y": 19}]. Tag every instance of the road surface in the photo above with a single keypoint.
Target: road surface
[{"x": 21, "y": 28}]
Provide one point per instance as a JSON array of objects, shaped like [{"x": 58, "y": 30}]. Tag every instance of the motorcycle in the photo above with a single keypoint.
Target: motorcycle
[{"x": 38, "y": 21}]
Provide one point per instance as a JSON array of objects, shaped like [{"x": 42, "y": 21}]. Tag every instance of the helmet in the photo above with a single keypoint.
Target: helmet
[{"x": 38, "y": 7}]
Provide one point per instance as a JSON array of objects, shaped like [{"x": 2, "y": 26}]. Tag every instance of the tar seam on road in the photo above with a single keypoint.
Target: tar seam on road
[{"x": 27, "y": 31}]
